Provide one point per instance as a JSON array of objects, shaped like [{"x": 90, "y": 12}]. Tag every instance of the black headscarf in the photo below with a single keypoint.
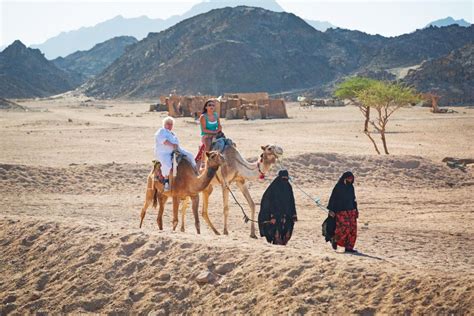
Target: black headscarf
[
  {"x": 343, "y": 195},
  {"x": 277, "y": 202}
]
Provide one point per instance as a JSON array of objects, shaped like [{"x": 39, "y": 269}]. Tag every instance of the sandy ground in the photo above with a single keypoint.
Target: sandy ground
[{"x": 72, "y": 182}]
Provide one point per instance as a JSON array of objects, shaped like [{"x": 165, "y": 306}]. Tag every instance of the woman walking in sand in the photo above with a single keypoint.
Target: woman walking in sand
[
  {"x": 343, "y": 207},
  {"x": 277, "y": 215},
  {"x": 210, "y": 126}
]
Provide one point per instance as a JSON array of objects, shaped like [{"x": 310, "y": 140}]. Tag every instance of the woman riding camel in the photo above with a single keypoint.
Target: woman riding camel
[
  {"x": 210, "y": 126},
  {"x": 165, "y": 143}
]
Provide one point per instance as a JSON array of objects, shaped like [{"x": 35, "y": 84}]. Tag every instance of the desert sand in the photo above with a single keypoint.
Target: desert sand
[{"x": 73, "y": 180}]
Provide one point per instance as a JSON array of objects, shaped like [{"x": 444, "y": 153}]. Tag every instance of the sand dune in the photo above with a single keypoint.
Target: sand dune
[
  {"x": 310, "y": 168},
  {"x": 70, "y": 203},
  {"x": 69, "y": 269}
]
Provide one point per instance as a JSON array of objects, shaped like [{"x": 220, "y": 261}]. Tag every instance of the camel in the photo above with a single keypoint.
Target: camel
[
  {"x": 187, "y": 183},
  {"x": 237, "y": 169}
]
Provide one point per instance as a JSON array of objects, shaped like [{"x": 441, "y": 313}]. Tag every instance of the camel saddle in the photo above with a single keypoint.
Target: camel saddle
[
  {"x": 176, "y": 158},
  {"x": 220, "y": 142}
]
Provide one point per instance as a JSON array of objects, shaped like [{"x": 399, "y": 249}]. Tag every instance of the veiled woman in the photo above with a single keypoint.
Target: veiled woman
[
  {"x": 277, "y": 211},
  {"x": 343, "y": 207}
]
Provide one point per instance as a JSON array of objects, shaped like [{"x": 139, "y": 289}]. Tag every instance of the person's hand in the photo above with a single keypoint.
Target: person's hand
[
  {"x": 332, "y": 214},
  {"x": 273, "y": 221}
]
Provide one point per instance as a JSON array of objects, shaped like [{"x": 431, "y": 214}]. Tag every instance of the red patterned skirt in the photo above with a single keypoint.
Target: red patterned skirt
[{"x": 346, "y": 228}]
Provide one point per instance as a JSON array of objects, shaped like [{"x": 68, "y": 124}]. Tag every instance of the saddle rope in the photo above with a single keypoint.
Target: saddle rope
[{"x": 316, "y": 200}]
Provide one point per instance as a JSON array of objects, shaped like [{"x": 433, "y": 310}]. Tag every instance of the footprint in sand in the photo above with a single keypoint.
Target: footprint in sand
[
  {"x": 41, "y": 284},
  {"x": 186, "y": 245},
  {"x": 129, "y": 249},
  {"x": 136, "y": 296},
  {"x": 225, "y": 268},
  {"x": 368, "y": 311},
  {"x": 295, "y": 273}
]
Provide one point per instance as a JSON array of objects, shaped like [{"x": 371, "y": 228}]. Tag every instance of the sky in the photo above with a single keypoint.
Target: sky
[{"x": 34, "y": 21}]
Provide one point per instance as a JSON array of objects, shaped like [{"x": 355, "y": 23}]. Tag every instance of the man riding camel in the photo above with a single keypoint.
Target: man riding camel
[{"x": 166, "y": 142}]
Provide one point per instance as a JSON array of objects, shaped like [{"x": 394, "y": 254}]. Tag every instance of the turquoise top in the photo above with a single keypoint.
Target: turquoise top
[{"x": 212, "y": 126}]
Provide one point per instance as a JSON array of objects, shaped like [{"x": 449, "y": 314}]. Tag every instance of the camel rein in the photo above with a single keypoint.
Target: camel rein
[
  {"x": 245, "y": 218},
  {"x": 317, "y": 201}
]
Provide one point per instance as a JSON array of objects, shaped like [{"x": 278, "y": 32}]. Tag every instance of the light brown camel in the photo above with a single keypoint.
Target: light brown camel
[
  {"x": 187, "y": 183},
  {"x": 237, "y": 169}
]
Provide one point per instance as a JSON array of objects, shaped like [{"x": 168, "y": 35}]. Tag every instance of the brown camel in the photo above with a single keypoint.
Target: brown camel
[
  {"x": 238, "y": 170},
  {"x": 187, "y": 183}
]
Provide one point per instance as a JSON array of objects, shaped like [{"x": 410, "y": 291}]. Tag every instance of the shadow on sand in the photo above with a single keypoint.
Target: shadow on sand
[{"x": 361, "y": 254}]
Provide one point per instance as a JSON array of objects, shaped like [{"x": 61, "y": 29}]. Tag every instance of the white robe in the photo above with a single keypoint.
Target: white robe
[{"x": 163, "y": 152}]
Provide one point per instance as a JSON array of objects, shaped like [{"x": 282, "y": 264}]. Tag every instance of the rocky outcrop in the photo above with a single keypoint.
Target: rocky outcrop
[
  {"x": 26, "y": 73},
  {"x": 451, "y": 77},
  {"x": 89, "y": 63}
]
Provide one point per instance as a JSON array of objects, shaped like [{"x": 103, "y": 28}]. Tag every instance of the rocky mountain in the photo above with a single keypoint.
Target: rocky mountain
[
  {"x": 86, "y": 37},
  {"x": 449, "y": 21},
  {"x": 252, "y": 49},
  {"x": 26, "y": 73},
  {"x": 413, "y": 48},
  {"x": 320, "y": 25},
  {"x": 450, "y": 76},
  {"x": 230, "y": 49},
  {"x": 87, "y": 64}
]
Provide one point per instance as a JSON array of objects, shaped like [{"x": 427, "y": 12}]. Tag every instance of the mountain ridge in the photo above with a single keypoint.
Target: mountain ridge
[
  {"x": 269, "y": 51},
  {"x": 26, "y": 73},
  {"x": 91, "y": 62},
  {"x": 450, "y": 76},
  {"x": 448, "y": 21},
  {"x": 85, "y": 38}
]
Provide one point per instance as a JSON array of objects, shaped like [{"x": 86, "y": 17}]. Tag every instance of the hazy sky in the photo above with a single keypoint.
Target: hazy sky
[{"x": 34, "y": 21}]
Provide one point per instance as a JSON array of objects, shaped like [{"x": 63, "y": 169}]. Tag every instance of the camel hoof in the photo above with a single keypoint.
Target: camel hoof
[
  {"x": 253, "y": 236},
  {"x": 182, "y": 229},
  {"x": 226, "y": 232}
]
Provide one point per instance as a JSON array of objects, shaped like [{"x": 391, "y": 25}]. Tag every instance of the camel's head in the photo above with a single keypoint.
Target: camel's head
[
  {"x": 214, "y": 159},
  {"x": 271, "y": 153}
]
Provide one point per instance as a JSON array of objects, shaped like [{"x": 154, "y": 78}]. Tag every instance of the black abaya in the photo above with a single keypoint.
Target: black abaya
[{"x": 277, "y": 211}]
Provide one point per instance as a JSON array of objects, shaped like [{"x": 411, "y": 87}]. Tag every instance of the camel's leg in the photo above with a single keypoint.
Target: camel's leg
[
  {"x": 195, "y": 206},
  {"x": 148, "y": 200},
  {"x": 205, "y": 204},
  {"x": 175, "y": 212},
  {"x": 225, "y": 199},
  {"x": 162, "y": 200},
  {"x": 184, "y": 206},
  {"x": 245, "y": 192}
]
